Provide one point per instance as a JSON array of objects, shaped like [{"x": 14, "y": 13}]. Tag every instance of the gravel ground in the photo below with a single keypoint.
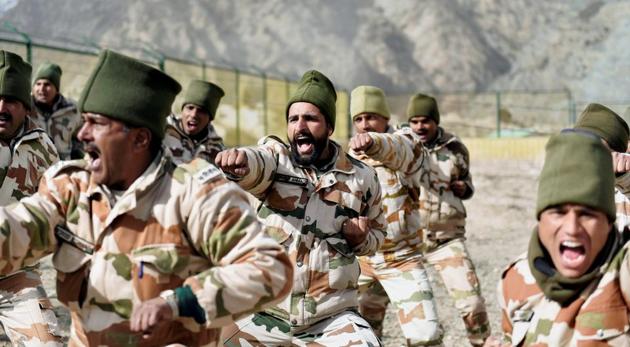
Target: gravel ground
[{"x": 500, "y": 218}]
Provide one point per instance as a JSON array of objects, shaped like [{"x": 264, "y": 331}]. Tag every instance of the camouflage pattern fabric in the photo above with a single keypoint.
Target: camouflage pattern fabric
[
  {"x": 396, "y": 271},
  {"x": 622, "y": 201},
  {"x": 174, "y": 226},
  {"x": 25, "y": 311},
  {"x": 347, "y": 328},
  {"x": 442, "y": 213},
  {"x": 23, "y": 162},
  {"x": 61, "y": 123},
  {"x": 305, "y": 210},
  {"x": 598, "y": 317},
  {"x": 399, "y": 161},
  {"x": 182, "y": 148},
  {"x": 453, "y": 264},
  {"x": 405, "y": 283}
]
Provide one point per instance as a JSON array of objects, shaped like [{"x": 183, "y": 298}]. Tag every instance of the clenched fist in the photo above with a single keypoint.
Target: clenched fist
[
  {"x": 233, "y": 162},
  {"x": 355, "y": 230},
  {"x": 361, "y": 142},
  {"x": 621, "y": 162}
]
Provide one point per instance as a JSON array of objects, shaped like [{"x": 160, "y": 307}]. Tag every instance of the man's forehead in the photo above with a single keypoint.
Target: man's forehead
[
  {"x": 95, "y": 116},
  {"x": 43, "y": 80}
]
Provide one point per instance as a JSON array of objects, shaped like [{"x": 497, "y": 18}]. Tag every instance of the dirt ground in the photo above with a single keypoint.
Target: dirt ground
[{"x": 500, "y": 220}]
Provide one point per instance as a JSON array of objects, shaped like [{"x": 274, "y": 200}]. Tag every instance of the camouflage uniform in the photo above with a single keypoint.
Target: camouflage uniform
[
  {"x": 182, "y": 148},
  {"x": 598, "y": 317},
  {"x": 174, "y": 226},
  {"x": 305, "y": 209},
  {"x": 25, "y": 311},
  {"x": 622, "y": 202},
  {"x": 396, "y": 271},
  {"x": 61, "y": 123},
  {"x": 443, "y": 219}
]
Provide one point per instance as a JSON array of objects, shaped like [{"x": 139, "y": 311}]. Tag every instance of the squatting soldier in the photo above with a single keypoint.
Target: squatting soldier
[
  {"x": 571, "y": 287},
  {"x": 613, "y": 130},
  {"x": 147, "y": 253},
  {"x": 25, "y": 153},
  {"x": 325, "y": 208},
  {"x": 444, "y": 185},
  {"x": 396, "y": 271},
  {"x": 191, "y": 135},
  {"x": 54, "y": 113}
]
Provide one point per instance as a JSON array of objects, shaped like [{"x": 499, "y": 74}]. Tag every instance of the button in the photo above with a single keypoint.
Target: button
[
  {"x": 600, "y": 333},
  {"x": 294, "y": 321},
  {"x": 299, "y": 264},
  {"x": 308, "y": 219}
]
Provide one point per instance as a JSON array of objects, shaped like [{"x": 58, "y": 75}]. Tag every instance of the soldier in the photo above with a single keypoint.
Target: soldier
[
  {"x": 325, "y": 208},
  {"x": 147, "y": 253},
  {"x": 25, "y": 153},
  {"x": 601, "y": 121},
  {"x": 445, "y": 184},
  {"x": 571, "y": 287},
  {"x": 395, "y": 272},
  {"x": 191, "y": 135},
  {"x": 54, "y": 113}
]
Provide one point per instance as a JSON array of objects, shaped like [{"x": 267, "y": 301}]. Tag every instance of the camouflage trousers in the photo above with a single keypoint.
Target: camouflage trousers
[
  {"x": 261, "y": 329},
  {"x": 25, "y": 311},
  {"x": 453, "y": 264},
  {"x": 406, "y": 285}
]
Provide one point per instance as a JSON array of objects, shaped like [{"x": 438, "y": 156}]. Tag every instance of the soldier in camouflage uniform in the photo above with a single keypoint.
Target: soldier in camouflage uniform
[
  {"x": 601, "y": 121},
  {"x": 572, "y": 286},
  {"x": 444, "y": 185},
  {"x": 54, "y": 113},
  {"x": 147, "y": 253},
  {"x": 25, "y": 153},
  {"x": 396, "y": 271},
  {"x": 325, "y": 208},
  {"x": 191, "y": 134}
]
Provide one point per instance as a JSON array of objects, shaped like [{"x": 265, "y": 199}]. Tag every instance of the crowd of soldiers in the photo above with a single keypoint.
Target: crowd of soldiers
[{"x": 155, "y": 239}]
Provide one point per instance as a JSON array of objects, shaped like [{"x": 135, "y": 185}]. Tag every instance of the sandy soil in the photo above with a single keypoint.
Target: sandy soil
[{"x": 501, "y": 217}]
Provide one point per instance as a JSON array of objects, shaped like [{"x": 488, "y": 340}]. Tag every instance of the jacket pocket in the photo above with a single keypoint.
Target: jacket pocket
[
  {"x": 73, "y": 269},
  {"x": 156, "y": 267},
  {"x": 343, "y": 266},
  {"x": 607, "y": 324}
]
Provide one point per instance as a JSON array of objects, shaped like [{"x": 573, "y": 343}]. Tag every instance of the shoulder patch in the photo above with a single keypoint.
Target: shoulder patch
[
  {"x": 64, "y": 165},
  {"x": 209, "y": 173},
  {"x": 271, "y": 138}
]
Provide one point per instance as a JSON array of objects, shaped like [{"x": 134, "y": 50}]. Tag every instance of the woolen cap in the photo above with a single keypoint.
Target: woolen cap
[
  {"x": 15, "y": 77},
  {"x": 603, "y": 122},
  {"x": 424, "y": 106},
  {"x": 317, "y": 89},
  {"x": 368, "y": 99},
  {"x": 205, "y": 95}
]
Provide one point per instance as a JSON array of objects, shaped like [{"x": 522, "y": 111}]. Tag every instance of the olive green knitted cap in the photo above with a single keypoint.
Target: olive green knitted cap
[
  {"x": 49, "y": 71},
  {"x": 424, "y": 106},
  {"x": 577, "y": 169},
  {"x": 368, "y": 99},
  {"x": 126, "y": 89},
  {"x": 317, "y": 89},
  {"x": 603, "y": 122},
  {"x": 205, "y": 95},
  {"x": 15, "y": 77}
]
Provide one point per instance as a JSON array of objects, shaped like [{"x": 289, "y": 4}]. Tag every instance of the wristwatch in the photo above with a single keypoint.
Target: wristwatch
[{"x": 171, "y": 300}]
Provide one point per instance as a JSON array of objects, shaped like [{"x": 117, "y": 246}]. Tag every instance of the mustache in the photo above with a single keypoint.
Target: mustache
[
  {"x": 6, "y": 115},
  {"x": 90, "y": 147}
]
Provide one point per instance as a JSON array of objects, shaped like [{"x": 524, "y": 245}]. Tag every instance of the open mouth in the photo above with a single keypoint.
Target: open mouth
[
  {"x": 5, "y": 118},
  {"x": 572, "y": 252},
  {"x": 305, "y": 144},
  {"x": 94, "y": 156}
]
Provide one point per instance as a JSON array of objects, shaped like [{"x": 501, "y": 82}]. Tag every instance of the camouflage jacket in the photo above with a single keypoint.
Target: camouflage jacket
[
  {"x": 306, "y": 212},
  {"x": 61, "y": 124},
  {"x": 23, "y": 162},
  {"x": 174, "y": 226},
  {"x": 599, "y": 317},
  {"x": 398, "y": 159},
  {"x": 622, "y": 201},
  {"x": 182, "y": 148},
  {"x": 442, "y": 213}
]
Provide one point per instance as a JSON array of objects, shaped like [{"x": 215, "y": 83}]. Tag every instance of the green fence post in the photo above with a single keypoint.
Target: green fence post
[
  {"x": 203, "y": 70},
  {"x": 27, "y": 41},
  {"x": 571, "y": 106},
  {"x": 498, "y": 95},
  {"x": 264, "y": 97},
  {"x": 157, "y": 55}
]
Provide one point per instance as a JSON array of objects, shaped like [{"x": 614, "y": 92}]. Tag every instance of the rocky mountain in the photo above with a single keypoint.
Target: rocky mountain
[{"x": 402, "y": 45}]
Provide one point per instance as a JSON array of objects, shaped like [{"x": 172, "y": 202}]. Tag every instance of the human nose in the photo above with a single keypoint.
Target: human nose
[{"x": 84, "y": 133}]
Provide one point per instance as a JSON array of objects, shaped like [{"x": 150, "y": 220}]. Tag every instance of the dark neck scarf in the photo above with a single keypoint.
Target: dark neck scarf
[{"x": 561, "y": 289}]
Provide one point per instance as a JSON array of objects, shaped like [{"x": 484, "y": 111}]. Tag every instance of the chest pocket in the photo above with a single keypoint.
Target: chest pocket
[
  {"x": 287, "y": 193},
  {"x": 607, "y": 324},
  {"x": 156, "y": 267},
  {"x": 521, "y": 323}
]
